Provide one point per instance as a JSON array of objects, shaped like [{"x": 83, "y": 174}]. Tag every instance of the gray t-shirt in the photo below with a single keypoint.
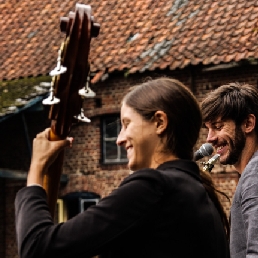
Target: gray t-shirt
[{"x": 244, "y": 213}]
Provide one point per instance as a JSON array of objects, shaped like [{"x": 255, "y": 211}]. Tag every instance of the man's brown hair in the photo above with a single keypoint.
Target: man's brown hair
[{"x": 231, "y": 101}]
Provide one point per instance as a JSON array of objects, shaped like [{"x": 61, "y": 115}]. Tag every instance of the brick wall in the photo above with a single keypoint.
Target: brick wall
[
  {"x": 10, "y": 241},
  {"x": 2, "y": 218},
  {"x": 83, "y": 161},
  {"x": 9, "y": 245},
  {"x": 226, "y": 183}
]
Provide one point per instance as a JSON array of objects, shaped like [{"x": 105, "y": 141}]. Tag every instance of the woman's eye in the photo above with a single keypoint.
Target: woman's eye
[{"x": 123, "y": 126}]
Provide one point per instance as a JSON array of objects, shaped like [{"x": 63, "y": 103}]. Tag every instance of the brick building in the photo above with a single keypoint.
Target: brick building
[{"x": 202, "y": 43}]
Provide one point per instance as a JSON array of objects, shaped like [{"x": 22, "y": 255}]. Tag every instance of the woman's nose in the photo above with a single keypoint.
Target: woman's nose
[{"x": 120, "y": 138}]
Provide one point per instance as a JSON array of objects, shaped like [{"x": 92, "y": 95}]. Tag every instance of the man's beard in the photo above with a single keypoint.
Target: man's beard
[{"x": 236, "y": 146}]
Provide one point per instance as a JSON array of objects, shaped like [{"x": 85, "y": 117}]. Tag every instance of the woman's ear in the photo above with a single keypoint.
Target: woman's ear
[
  {"x": 249, "y": 123},
  {"x": 161, "y": 121}
]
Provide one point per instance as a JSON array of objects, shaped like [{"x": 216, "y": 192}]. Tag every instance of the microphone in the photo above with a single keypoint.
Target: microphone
[{"x": 205, "y": 150}]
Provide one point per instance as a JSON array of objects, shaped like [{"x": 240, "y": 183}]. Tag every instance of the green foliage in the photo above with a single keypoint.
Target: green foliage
[{"x": 19, "y": 89}]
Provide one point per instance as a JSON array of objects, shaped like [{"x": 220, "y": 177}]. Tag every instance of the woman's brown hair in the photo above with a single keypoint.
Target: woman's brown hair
[{"x": 181, "y": 107}]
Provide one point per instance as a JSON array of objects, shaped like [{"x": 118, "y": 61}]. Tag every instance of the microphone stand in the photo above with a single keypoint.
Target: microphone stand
[{"x": 209, "y": 165}]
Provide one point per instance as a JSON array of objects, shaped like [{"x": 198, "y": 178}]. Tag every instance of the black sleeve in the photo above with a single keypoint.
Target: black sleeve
[{"x": 90, "y": 232}]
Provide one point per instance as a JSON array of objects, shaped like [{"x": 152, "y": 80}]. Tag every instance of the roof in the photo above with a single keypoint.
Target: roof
[
  {"x": 21, "y": 94},
  {"x": 135, "y": 36},
  {"x": 22, "y": 175}
]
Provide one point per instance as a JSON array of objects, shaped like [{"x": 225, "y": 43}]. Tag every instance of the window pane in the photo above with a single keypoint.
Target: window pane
[
  {"x": 87, "y": 204},
  {"x": 112, "y": 126},
  {"x": 123, "y": 153},
  {"x": 111, "y": 150}
]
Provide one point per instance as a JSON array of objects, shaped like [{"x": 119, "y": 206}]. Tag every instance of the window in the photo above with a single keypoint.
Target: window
[
  {"x": 86, "y": 203},
  {"x": 111, "y": 152},
  {"x": 78, "y": 202}
]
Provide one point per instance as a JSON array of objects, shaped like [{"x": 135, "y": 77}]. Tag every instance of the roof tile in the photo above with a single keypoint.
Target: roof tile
[{"x": 134, "y": 34}]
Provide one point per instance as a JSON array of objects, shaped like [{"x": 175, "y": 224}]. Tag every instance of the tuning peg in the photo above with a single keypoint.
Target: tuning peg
[
  {"x": 95, "y": 29},
  {"x": 87, "y": 92},
  {"x": 51, "y": 100},
  {"x": 59, "y": 68},
  {"x": 64, "y": 23},
  {"x": 81, "y": 117}
]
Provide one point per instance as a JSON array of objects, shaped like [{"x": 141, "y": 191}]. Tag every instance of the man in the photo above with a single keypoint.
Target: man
[{"x": 230, "y": 113}]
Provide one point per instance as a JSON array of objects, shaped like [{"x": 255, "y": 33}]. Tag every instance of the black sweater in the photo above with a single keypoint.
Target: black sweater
[{"x": 154, "y": 213}]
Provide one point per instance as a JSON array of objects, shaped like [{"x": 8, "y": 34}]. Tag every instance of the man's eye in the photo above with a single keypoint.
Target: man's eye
[{"x": 218, "y": 127}]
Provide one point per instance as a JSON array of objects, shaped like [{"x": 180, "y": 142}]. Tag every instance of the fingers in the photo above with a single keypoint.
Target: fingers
[
  {"x": 61, "y": 144},
  {"x": 44, "y": 134},
  {"x": 46, "y": 151},
  {"x": 47, "y": 132},
  {"x": 58, "y": 144},
  {"x": 70, "y": 141}
]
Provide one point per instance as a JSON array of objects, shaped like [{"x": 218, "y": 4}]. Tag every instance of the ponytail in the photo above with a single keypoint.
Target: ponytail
[{"x": 213, "y": 194}]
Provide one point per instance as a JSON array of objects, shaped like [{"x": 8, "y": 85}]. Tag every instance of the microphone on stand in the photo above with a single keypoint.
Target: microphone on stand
[{"x": 205, "y": 150}]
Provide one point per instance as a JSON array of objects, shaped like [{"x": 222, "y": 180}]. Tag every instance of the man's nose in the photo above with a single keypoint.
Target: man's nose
[{"x": 212, "y": 136}]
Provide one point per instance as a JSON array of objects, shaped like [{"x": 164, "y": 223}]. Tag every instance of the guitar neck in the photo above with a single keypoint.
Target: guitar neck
[
  {"x": 52, "y": 182},
  {"x": 52, "y": 178}
]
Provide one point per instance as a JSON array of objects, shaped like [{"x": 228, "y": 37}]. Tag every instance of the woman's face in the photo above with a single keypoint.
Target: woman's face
[{"x": 139, "y": 137}]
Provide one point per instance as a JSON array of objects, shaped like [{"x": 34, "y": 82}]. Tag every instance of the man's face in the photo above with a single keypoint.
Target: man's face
[{"x": 227, "y": 138}]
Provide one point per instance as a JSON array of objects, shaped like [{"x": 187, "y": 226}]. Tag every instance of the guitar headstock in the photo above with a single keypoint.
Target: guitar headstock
[{"x": 70, "y": 79}]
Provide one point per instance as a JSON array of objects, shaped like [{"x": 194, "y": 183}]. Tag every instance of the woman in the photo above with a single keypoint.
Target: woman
[{"x": 160, "y": 210}]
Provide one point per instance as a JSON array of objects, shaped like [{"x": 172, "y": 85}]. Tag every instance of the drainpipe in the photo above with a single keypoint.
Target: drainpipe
[
  {"x": 192, "y": 79},
  {"x": 2, "y": 217},
  {"x": 26, "y": 133}
]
